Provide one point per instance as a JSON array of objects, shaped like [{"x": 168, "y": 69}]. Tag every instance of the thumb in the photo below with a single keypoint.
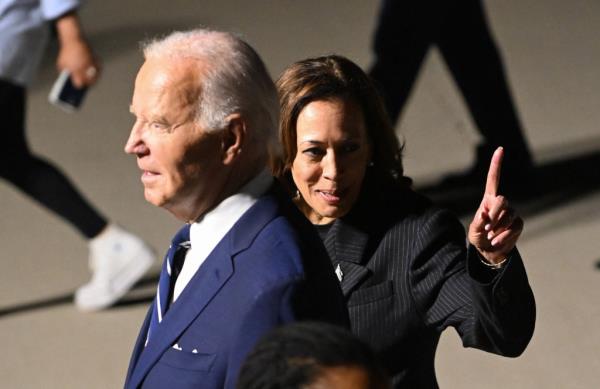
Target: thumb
[{"x": 479, "y": 221}]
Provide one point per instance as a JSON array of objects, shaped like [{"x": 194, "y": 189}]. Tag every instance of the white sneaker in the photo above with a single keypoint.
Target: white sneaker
[{"x": 118, "y": 259}]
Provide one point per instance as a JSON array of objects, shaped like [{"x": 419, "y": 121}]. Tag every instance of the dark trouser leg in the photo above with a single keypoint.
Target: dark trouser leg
[
  {"x": 36, "y": 177},
  {"x": 471, "y": 55},
  {"x": 401, "y": 42}
]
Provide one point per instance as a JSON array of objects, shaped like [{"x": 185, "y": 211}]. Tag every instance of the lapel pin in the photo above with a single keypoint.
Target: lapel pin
[{"x": 339, "y": 273}]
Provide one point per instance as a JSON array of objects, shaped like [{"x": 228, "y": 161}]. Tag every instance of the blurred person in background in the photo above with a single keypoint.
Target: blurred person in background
[
  {"x": 118, "y": 259},
  {"x": 406, "y": 30}
]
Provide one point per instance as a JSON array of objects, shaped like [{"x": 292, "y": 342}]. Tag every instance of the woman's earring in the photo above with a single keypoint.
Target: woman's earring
[{"x": 297, "y": 197}]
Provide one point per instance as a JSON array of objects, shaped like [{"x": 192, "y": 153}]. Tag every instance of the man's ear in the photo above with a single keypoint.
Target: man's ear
[{"x": 233, "y": 138}]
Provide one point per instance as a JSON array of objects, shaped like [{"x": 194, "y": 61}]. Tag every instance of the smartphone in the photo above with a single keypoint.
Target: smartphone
[{"x": 66, "y": 95}]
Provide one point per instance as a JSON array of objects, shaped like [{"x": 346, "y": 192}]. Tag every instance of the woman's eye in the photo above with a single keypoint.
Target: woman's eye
[
  {"x": 313, "y": 152},
  {"x": 351, "y": 147}
]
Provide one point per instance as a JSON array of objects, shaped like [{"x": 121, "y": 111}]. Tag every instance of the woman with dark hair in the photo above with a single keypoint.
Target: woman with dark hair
[{"x": 403, "y": 264}]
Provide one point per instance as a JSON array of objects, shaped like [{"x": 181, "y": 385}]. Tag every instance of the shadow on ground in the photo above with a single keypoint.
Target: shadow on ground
[
  {"x": 142, "y": 293},
  {"x": 553, "y": 184}
]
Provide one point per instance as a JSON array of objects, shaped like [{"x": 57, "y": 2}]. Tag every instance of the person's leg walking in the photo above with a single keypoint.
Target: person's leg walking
[
  {"x": 401, "y": 42},
  {"x": 117, "y": 257},
  {"x": 471, "y": 54},
  {"x": 37, "y": 178}
]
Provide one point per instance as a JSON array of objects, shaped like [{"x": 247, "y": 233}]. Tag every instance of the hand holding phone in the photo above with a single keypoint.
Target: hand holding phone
[{"x": 66, "y": 95}]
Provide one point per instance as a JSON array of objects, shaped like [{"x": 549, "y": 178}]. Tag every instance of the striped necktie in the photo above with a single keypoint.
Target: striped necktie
[{"x": 181, "y": 241}]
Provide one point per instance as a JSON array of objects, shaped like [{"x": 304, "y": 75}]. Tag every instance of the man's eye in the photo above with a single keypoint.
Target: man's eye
[{"x": 159, "y": 126}]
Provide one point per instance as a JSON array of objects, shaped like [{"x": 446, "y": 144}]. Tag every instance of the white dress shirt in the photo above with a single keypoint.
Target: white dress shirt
[{"x": 208, "y": 231}]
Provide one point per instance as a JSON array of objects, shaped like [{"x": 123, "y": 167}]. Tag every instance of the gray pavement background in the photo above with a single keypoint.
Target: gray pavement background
[{"x": 552, "y": 53}]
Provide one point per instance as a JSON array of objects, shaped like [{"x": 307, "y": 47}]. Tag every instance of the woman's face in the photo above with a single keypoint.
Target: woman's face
[{"x": 331, "y": 160}]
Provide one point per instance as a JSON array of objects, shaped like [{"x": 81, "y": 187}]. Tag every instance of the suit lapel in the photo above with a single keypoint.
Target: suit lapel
[
  {"x": 346, "y": 245},
  {"x": 139, "y": 344},
  {"x": 353, "y": 274},
  {"x": 262, "y": 212},
  {"x": 208, "y": 280},
  {"x": 349, "y": 245}
]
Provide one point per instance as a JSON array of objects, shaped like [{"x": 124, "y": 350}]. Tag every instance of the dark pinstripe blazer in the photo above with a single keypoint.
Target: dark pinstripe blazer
[{"x": 407, "y": 275}]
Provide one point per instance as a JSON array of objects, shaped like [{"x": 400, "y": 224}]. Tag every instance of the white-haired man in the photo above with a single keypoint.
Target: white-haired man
[{"x": 246, "y": 261}]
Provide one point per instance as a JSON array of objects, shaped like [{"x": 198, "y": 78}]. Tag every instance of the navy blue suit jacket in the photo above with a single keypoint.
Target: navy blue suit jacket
[{"x": 269, "y": 269}]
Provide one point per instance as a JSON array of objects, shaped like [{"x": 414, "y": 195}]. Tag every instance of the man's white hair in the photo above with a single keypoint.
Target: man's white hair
[{"x": 234, "y": 80}]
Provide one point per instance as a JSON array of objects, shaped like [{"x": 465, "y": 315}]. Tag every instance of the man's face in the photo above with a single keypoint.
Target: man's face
[{"x": 180, "y": 161}]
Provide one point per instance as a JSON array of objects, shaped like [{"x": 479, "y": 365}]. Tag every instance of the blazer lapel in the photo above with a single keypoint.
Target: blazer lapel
[
  {"x": 346, "y": 245},
  {"x": 139, "y": 344},
  {"x": 208, "y": 280},
  {"x": 353, "y": 274},
  {"x": 262, "y": 212}
]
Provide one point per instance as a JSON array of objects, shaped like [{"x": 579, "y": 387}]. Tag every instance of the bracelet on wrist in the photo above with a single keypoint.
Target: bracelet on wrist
[{"x": 495, "y": 266}]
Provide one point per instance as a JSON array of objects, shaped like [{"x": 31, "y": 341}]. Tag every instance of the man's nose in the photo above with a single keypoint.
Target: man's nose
[{"x": 134, "y": 144}]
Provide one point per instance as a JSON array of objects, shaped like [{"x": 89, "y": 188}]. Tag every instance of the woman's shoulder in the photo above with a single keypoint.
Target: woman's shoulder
[
  {"x": 384, "y": 203},
  {"x": 402, "y": 201},
  {"x": 394, "y": 205}
]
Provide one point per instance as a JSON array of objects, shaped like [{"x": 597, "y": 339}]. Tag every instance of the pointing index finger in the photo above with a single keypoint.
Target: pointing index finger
[{"x": 493, "y": 176}]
